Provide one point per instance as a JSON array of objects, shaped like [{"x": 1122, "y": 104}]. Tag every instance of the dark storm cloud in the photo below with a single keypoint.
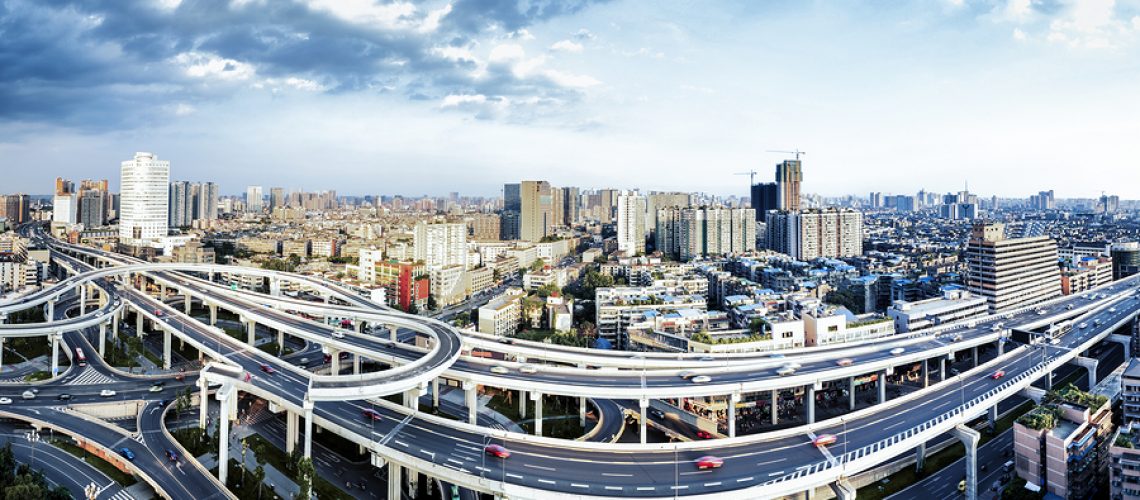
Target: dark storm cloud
[{"x": 90, "y": 64}]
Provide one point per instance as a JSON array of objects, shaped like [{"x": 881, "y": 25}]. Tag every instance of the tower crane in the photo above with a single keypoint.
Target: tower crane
[
  {"x": 751, "y": 176},
  {"x": 796, "y": 152}
]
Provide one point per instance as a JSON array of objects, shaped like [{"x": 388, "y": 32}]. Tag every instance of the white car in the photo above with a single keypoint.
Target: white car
[
  {"x": 1112, "y": 310},
  {"x": 28, "y": 395},
  {"x": 337, "y": 335},
  {"x": 897, "y": 351},
  {"x": 155, "y": 388},
  {"x": 701, "y": 379},
  {"x": 785, "y": 371},
  {"x": 1083, "y": 325},
  {"x": 107, "y": 393},
  {"x": 5, "y": 401},
  {"x": 528, "y": 369},
  {"x": 501, "y": 370}
]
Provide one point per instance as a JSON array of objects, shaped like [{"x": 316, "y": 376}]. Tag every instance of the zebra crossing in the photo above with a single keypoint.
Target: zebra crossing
[
  {"x": 89, "y": 376},
  {"x": 120, "y": 495}
]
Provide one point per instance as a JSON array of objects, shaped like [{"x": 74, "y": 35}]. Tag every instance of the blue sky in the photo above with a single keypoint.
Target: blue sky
[{"x": 376, "y": 97}]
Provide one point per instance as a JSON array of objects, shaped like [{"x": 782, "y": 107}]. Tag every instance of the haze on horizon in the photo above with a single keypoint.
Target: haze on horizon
[{"x": 371, "y": 97}]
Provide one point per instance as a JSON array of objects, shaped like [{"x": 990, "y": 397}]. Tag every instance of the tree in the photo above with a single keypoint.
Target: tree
[
  {"x": 182, "y": 403},
  {"x": 305, "y": 474},
  {"x": 463, "y": 318},
  {"x": 432, "y": 304},
  {"x": 537, "y": 265},
  {"x": 259, "y": 475},
  {"x": 294, "y": 262}
]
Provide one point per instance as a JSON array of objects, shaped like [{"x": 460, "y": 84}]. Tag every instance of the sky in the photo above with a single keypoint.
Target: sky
[{"x": 370, "y": 97}]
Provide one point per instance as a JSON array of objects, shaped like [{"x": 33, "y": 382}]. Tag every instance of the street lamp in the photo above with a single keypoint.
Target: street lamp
[
  {"x": 33, "y": 437},
  {"x": 91, "y": 491}
]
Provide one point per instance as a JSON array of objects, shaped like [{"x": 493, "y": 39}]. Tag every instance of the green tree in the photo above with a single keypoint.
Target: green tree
[
  {"x": 537, "y": 265},
  {"x": 305, "y": 474}
]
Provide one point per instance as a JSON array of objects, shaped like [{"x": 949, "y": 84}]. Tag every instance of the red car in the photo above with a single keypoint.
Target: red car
[
  {"x": 709, "y": 462},
  {"x": 704, "y": 435},
  {"x": 497, "y": 451},
  {"x": 824, "y": 440},
  {"x": 158, "y": 312},
  {"x": 998, "y": 374},
  {"x": 372, "y": 414},
  {"x": 268, "y": 369}
]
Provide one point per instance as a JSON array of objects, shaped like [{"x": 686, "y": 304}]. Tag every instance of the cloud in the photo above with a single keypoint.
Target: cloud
[
  {"x": 96, "y": 60},
  {"x": 1019, "y": 35},
  {"x": 566, "y": 46}
]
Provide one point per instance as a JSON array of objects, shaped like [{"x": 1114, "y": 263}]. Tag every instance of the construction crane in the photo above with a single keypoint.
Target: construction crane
[
  {"x": 796, "y": 152},
  {"x": 751, "y": 176}
]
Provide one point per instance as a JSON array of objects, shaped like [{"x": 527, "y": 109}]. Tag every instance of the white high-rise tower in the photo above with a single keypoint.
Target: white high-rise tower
[
  {"x": 144, "y": 190},
  {"x": 631, "y": 223}
]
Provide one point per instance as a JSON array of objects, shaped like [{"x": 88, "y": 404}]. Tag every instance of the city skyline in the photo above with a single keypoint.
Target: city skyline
[{"x": 573, "y": 95}]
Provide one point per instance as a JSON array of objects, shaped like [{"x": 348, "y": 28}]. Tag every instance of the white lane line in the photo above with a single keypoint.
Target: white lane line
[
  {"x": 614, "y": 488},
  {"x": 538, "y": 467},
  {"x": 682, "y": 487},
  {"x": 773, "y": 461},
  {"x": 614, "y": 474},
  {"x": 516, "y": 476},
  {"x": 777, "y": 473},
  {"x": 577, "y": 485},
  {"x": 401, "y": 443},
  {"x": 716, "y": 483},
  {"x": 745, "y": 479},
  {"x": 646, "y": 488},
  {"x": 454, "y": 461},
  {"x": 546, "y": 481}
]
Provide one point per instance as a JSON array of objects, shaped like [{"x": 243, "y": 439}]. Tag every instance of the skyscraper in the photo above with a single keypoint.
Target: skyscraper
[
  {"x": 812, "y": 234},
  {"x": 692, "y": 232},
  {"x": 1011, "y": 273},
  {"x": 765, "y": 197},
  {"x": 512, "y": 212},
  {"x": 789, "y": 175},
  {"x": 441, "y": 245},
  {"x": 16, "y": 208},
  {"x": 93, "y": 204},
  {"x": 570, "y": 203},
  {"x": 64, "y": 206},
  {"x": 631, "y": 223},
  {"x": 205, "y": 201},
  {"x": 276, "y": 198},
  {"x": 181, "y": 211},
  {"x": 536, "y": 214},
  {"x": 254, "y": 199},
  {"x": 144, "y": 194}
]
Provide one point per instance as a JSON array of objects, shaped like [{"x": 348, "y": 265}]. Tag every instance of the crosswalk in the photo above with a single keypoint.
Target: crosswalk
[
  {"x": 90, "y": 376},
  {"x": 120, "y": 495}
]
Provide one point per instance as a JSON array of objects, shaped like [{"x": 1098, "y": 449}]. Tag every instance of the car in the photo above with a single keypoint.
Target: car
[
  {"x": 497, "y": 450},
  {"x": 704, "y": 435},
  {"x": 528, "y": 368},
  {"x": 158, "y": 312},
  {"x": 707, "y": 358},
  {"x": 784, "y": 371},
  {"x": 845, "y": 362},
  {"x": 1069, "y": 307},
  {"x": 500, "y": 369},
  {"x": 824, "y": 440},
  {"x": 337, "y": 335},
  {"x": 107, "y": 393},
  {"x": 1098, "y": 322},
  {"x": 708, "y": 462},
  {"x": 656, "y": 413},
  {"x": 998, "y": 374},
  {"x": 127, "y": 453},
  {"x": 686, "y": 374},
  {"x": 996, "y": 327},
  {"x": 155, "y": 388},
  {"x": 897, "y": 351},
  {"x": 28, "y": 395},
  {"x": 793, "y": 365},
  {"x": 956, "y": 338},
  {"x": 1083, "y": 325},
  {"x": 701, "y": 379},
  {"x": 1112, "y": 309},
  {"x": 5, "y": 401},
  {"x": 371, "y": 414},
  {"x": 1041, "y": 312},
  {"x": 962, "y": 485},
  {"x": 506, "y": 340},
  {"x": 171, "y": 455},
  {"x": 268, "y": 369},
  {"x": 65, "y": 397}
]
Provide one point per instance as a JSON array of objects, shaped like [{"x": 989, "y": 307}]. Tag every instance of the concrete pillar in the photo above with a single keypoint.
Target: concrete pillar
[
  {"x": 213, "y": 314},
  {"x": 582, "y": 412},
  {"x": 975, "y": 356},
  {"x": 393, "y": 333},
  {"x": 843, "y": 489},
  {"x": 54, "y": 339},
  {"x": 435, "y": 393},
  {"x": 250, "y": 331},
  {"x": 102, "y": 340},
  {"x": 1049, "y": 380},
  {"x": 1001, "y": 346},
  {"x": 115, "y": 320},
  {"x": 537, "y": 397},
  {"x": 165, "y": 349},
  {"x": 82, "y": 299},
  {"x": 882, "y": 387},
  {"x": 51, "y": 310},
  {"x": 809, "y": 403},
  {"x": 469, "y": 399},
  {"x": 522, "y": 404},
  {"x": 394, "y": 481},
  {"x": 775, "y": 408},
  {"x": 356, "y": 364},
  {"x": 140, "y": 323},
  {"x": 925, "y": 373},
  {"x": 281, "y": 342},
  {"x": 275, "y": 287},
  {"x": 851, "y": 393},
  {"x": 290, "y": 431},
  {"x": 2, "y": 339},
  {"x": 920, "y": 457},
  {"x": 643, "y": 425},
  {"x": 1089, "y": 364},
  {"x": 308, "y": 405},
  {"x": 223, "y": 436},
  {"x": 203, "y": 400},
  {"x": 161, "y": 291},
  {"x": 942, "y": 367},
  {"x": 334, "y": 361},
  {"x": 187, "y": 303},
  {"x": 970, "y": 438},
  {"x": 358, "y": 324},
  {"x": 993, "y": 417},
  {"x": 733, "y": 399}
]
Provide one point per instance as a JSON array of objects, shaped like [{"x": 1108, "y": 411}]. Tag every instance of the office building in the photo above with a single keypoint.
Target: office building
[
  {"x": 816, "y": 233},
  {"x": 693, "y": 232},
  {"x": 955, "y": 304},
  {"x": 510, "y": 222},
  {"x": 1125, "y": 259},
  {"x": 1062, "y": 445},
  {"x": 205, "y": 201},
  {"x": 181, "y": 205},
  {"x": 93, "y": 205},
  {"x": 657, "y": 201},
  {"x": 144, "y": 196},
  {"x": 64, "y": 207},
  {"x": 276, "y": 199},
  {"x": 501, "y": 316},
  {"x": 254, "y": 199},
  {"x": 789, "y": 175},
  {"x": 765, "y": 197},
  {"x": 571, "y": 213},
  {"x": 16, "y": 208},
  {"x": 1011, "y": 273},
  {"x": 536, "y": 214},
  {"x": 631, "y": 223},
  {"x": 441, "y": 245},
  {"x": 1043, "y": 200},
  {"x": 484, "y": 227}
]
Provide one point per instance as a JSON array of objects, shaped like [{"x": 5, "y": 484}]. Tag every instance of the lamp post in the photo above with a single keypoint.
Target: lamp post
[{"x": 33, "y": 437}]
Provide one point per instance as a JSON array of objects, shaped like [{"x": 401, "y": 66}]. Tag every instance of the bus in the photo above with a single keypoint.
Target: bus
[{"x": 80, "y": 358}]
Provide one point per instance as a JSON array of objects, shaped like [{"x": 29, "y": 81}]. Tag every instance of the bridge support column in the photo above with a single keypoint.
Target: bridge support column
[
  {"x": 393, "y": 333},
  {"x": 165, "y": 349},
  {"x": 54, "y": 339},
  {"x": 224, "y": 397},
  {"x": 851, "y": 393},
  {"x": 140, "y": 323},
  {"x": 809, "y": 403},
  {"x": 435, "y": 393},
  {"x": 82, "y": 300},
  {"x": 942, "y": 368},
  {"x": 2, "y": 339},
  {"x": 308, "y": 405},
  {"x": 187, "y": 304},
  {"x": 920, "y": 457},
  {"x": 213, "y": 314},
  {"x": 394, "y": 480},
  {"x": 51, "y": 310},
  {"x": 203, "y": 403},
  {"x": 537, "y": 397},
  {"x": 1125, "y": 340},
  {"x": 281, "y": 341},
  {"x": 925, "y": 373},
  {"x": 1001, "y": 346},
  {"x": 358, "y": 325},
  {"x": 882, "y": 386},
  {"x": 843, "y": 489},
  {"x": 733, "y": 399},
  {"x": 775, "y": 407},
  {"x": 250, "y": 332},
  {"x": 970, "y": 438},
  {"x": 993, "y": 417},
  {"x": 1089, "y": 364},
  {"x": 582, "y": 411},
  {"x": 356, "y": 364},
  {"x": 115, "y": 320},
  {"x": 643, "y": 423},
  {"x": 974, "y": 354},
  {"x": 275, "y": 287},
  {"x": 469, "y": 398},
  {"x": 334, "y": 361},
  {"x": 102, "y": 339},
  {"x": 161, "y": 292},
  {"x": 522, "y": 403},
  {"x": 290, "y": 432}
]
